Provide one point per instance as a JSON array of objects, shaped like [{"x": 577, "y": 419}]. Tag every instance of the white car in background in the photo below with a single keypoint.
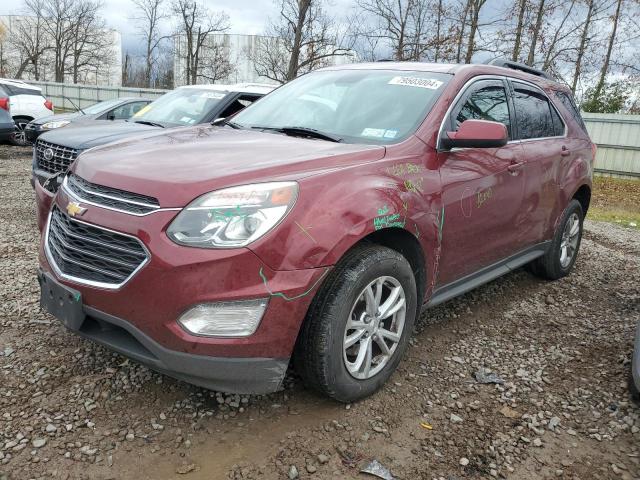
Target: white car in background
[{"x": 27, "y": 103}]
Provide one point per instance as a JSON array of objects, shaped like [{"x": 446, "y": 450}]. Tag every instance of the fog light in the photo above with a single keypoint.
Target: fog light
[{"x": 224, "y": 319}]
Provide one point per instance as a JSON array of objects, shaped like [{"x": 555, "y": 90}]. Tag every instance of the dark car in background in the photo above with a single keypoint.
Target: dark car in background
[
  {"x": 107, "y": 110},
  {"x": 7, "y": 127},
  {"x": 186, "y": 106}
]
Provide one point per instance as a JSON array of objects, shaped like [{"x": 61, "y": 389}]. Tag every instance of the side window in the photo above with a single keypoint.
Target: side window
[
  {"x": 125, "y": 111},
  {"x": 238, "y": 104},
  {"x": 486, "y": 103},
  {"x": 570, "y": 105},
  {"x": 533, "y": 113}
]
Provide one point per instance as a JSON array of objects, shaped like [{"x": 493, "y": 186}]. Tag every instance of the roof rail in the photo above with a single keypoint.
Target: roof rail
[{"x": 501, "y": 62}]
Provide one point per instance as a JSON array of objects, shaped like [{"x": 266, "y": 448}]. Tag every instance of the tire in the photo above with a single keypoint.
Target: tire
[
  {"x": 322, "y": 356},
  {"x": 18, "y": 138},
  {"x": 553, "y": 265}
]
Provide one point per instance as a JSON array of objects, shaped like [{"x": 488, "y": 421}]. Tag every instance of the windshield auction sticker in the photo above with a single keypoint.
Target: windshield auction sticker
[{"x": 429, "y": 83}]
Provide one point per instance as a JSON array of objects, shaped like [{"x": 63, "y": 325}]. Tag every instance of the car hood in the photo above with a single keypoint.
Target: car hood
[
  {"x": 178, "y": 165},
  {"x": 56, "y": 118},
  {"x": 81, "y": 137}
]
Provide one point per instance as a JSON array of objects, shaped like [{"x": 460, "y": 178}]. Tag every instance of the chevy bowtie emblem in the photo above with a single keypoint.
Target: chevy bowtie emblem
[{"x": 74, "y": 208}]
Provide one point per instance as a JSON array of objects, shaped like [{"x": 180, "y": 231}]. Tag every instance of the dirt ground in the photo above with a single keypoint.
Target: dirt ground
[{"x": 72, "y": 410}]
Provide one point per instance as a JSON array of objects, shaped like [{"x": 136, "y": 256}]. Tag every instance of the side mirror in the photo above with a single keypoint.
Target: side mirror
[{"x": 476, "y": 134}]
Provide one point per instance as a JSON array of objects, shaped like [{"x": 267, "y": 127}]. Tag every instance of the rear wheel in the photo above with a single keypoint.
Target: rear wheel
[
  {"x": 18, "y": 137},
  {"x": 358, "y": 325},
  {"x": 563, "y": 251}
]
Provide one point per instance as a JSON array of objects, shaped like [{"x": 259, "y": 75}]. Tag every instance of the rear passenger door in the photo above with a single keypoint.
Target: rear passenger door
[
  {"x": 481, "y": 187},
  {"x": 541, "y": 131}
]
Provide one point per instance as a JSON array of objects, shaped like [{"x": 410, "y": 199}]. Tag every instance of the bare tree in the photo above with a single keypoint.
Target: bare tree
[
  {"x": 475, "y": 7},
  {"x": 540, "y": 10},
  {"x": 218, "y": 65},
  {"x": 607, "y": 58},
  {"x": 196, "y": 24},
  {"x": 149, "y": 18},
  {"x": 299, "y": 40},
  {"x": 90, "y": 44},
  {"x": 28, "y": 38}
]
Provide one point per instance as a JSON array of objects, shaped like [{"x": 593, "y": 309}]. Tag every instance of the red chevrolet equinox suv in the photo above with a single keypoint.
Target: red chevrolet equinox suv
[{"x": 316, "y": 225}]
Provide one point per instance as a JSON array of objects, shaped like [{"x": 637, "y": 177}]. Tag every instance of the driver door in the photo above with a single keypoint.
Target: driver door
[{"x": 482, "y": 188}]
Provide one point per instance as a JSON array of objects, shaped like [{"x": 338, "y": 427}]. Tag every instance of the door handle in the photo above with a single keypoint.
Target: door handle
[
  {"x": 513, "y": 167},
  {"x": 565, "y": 152}
]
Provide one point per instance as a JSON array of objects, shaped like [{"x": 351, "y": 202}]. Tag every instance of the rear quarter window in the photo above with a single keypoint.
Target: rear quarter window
[
  {"x": 570, "y": 105},
  {"x": 13, "y": 90}
]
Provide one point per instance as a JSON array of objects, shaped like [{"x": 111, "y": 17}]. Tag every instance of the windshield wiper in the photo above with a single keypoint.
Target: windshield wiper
[
  {"x": 229, "y": 123},
  {"x": 303, "y": 132},
  {"x": 147, "y": 122}
]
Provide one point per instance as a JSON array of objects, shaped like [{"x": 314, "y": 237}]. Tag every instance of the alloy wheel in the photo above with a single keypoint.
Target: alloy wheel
[
  {"x": 570, "y": 237},
  {"x": 374, "y": 327},
  {"x": 19, "y": 137}
]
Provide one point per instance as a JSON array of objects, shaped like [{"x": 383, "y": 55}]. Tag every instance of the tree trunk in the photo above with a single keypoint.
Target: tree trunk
[
  {"x": 475, "y": 14},
  {"x": 518, "y": 41},
  {"x": 534, "y": 40},
  {"x": 462, "y": 28},
  {"x": 438, "y": 27},
  {"x": 294, "y": 59},
  {"x": 607, "y": 58},
  {"x": 583, "y": 45}
]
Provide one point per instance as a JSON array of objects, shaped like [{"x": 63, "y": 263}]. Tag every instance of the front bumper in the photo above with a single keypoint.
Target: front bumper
[{"x": 139, "y": 319}]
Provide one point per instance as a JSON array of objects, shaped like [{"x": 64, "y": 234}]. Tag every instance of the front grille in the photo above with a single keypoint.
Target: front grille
[
  {"x": 109, "y": 197},
  {"x": 91, "y": 254},
  {"x": 61, "y": 157}
]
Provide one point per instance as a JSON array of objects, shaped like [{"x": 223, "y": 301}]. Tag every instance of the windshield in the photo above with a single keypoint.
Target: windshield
[
  {"x": 101, "y": 106},
  {"x": 181, "y": 107},
  {"x": 357, "y": 106}
]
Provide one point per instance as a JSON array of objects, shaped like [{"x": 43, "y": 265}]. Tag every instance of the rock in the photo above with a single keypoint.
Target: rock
[
  {"x": 455, "y": 418},
  {"x": 464, "y": 461},
  {"x": 509, "y": 412},
  {"x": 50, "y": 428},
  {"x": 184, "y": 469},
  {"x": 537, "y": 442},
  {"x": 311, "y": 468},
  {"x": 293, "y": 473},
  {"x": 553, "y": 423},
  {"x": 322, "y": 459},
  {"x": 39, "y": 442},
  {"x": 130, "y": 436}
]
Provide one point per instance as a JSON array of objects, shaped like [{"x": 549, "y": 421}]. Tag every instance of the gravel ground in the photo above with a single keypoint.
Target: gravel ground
[{"x": 73, "y": 410}]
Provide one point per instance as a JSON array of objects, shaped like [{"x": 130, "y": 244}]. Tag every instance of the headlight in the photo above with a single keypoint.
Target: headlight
[
  {"x": 224, "y": 319},
  {"x": 52, "y": 125},
  {"x": 233, "y": 217}
]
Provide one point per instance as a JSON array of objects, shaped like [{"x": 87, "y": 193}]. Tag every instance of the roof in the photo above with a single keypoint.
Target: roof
[
  {"x": 450, "y": 68},
  {"x": 18, "y": 83},
  {"x": 261, "y": 88}
]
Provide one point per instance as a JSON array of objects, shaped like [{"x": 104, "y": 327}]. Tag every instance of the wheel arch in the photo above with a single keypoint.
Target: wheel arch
[{"x": 583, "y": 195}]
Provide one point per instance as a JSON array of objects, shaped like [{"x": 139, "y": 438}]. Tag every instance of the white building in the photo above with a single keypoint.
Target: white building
[{"x": 105, "y": 71}]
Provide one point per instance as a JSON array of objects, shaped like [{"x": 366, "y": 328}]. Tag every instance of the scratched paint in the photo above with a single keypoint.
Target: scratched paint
[
  {"x": 413, "y": 186},
  {"x": 482, "y": 196},
  {"x": 284, "y": 296},
  {"x": 305, "y": 231},
  {"x": 403, "y": 169}
]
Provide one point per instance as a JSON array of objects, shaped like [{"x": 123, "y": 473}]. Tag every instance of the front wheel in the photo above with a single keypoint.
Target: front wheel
[
  {"x": 358, "y": 325},
  {"x": 559, "y": 259}
]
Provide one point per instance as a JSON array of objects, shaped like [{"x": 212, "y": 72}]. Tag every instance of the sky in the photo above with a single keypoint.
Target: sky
[{"x": 246, "y": 16}]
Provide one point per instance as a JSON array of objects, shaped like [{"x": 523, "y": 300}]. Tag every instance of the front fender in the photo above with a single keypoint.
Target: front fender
[{"x": 336, "y": 210}]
